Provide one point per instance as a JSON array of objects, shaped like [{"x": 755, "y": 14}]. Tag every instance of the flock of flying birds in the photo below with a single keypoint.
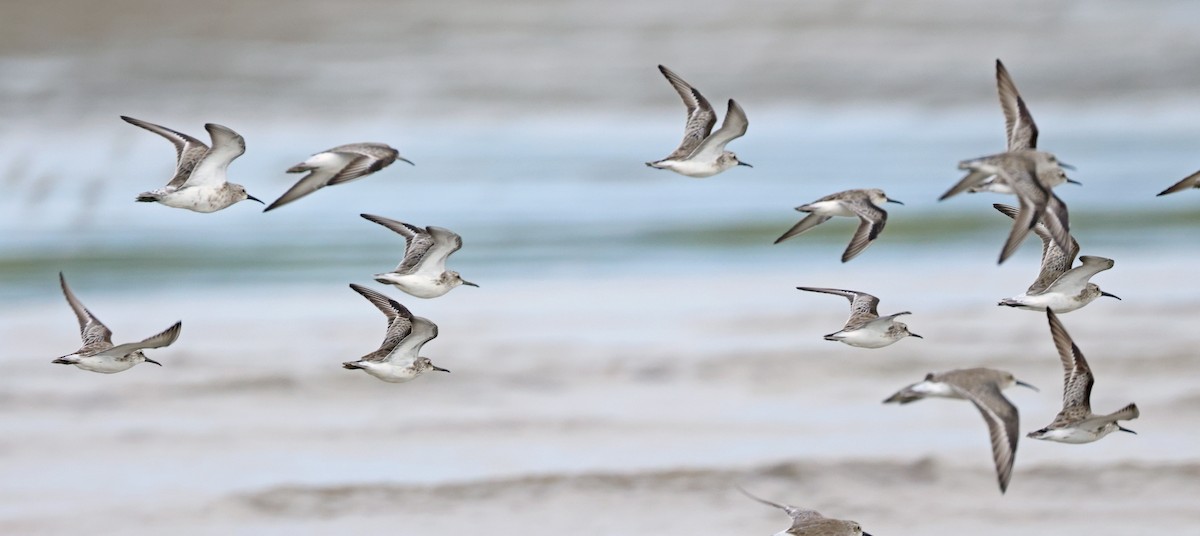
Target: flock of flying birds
[{"x": 200, "y": 184}]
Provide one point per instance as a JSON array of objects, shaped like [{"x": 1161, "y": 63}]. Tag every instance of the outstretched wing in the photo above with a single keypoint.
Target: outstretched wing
[
  {"x": 1077, "y": 376},
  {"x": 188, "y": 150},
  {"x": 701, "y": 116},
  {"x": 226, "y": 146},
  {"x": 91, "y": 329},
  {"x": 799, "y": 517},
  {"x": 1191, "y": 181},
  {"x": 1075, "y": 279},
  {"x": 400, "y": 321},
  {"x": 165, "y": 338},
  {"x": 410, "y": 346},
  {"x": 871, "y": 222},
  {"x": 734, "y": 126},
  {"x": 1003, "y": 426},
  {"x": 417, "y": 242},
  {"x": 1055, "y": 261},
  {"x": 1018, "y": 123},
  {"x": 863, "y": 306}
]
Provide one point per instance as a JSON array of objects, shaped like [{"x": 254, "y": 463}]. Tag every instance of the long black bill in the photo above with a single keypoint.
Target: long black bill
[
  {"x": 437, "y": 368},
  {"x": 402, "y": 159},
  {"x": 1123, "y": 429},
  {"x": 740, "y": 163},
  {"x": 894, "y": 201},
  {"x": 252, "y": 198},
  {"x": 1073, "y": 181},
  {"x": 148, "y": 360},
  {"x": 1102, "y": 293},
  {"x": 470, "y": 284},
  {"x": 911, "y": 334},
  {"x": 1023, "y": 384}
]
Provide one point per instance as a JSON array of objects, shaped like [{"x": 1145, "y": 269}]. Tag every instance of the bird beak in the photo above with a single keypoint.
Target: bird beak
[
  {"x": 1123, "y": 429},
  {"x": 894, "y": 201},
  {"x": 470, "y": 284},
  {"x": 148, "y": 360},
  {"x": 1102, "y": 293},
  {"x": 1073, "y": 181},
  {"x": 252, "y": 198},
  {"x": 915, "y": 335},
  {"x": 437, "y": 368},
  {"x": 405, "y": 160},
  {"x": 1065, "y": 165},
  {"x": 740, "y": 163},
  {"x": 1023, "y": 384}
]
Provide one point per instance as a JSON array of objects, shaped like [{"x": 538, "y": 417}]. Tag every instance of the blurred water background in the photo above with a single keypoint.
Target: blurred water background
[{"x": 637, "y": 313}]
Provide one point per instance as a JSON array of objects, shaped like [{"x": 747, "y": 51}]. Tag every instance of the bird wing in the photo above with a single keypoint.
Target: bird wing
[
  {"x": 400, "y": 321},
  {"x": 91, "y": 329},
  {"x": 871, "y": 222},
  {"x": 734, "y": 126},
  {"x": 1055, "y": 261},
  {"x": 317, "y": 178},
  {"x": 1075, "y": 279},
  {"x": 410, "y": 346},
  {"x": 701, "y": 116},
  {"x": 808, "y": 222},
  {"x": 1020, "y": 175},
  {"x": 226, "y": 146},
  {"x": 1191, "y": 181},
  {"x": 188, "y": 150},
  {"x": 165, "y": 338},
  {"x": 1077, "y": 376},
  {"x": 1003, "y": 426},
  {"x": 417, "y": 242},
  {"x": 1018, "y": 123},
  {"x": 798, "y": 516},
  {"x": 445, "y": 242},
  {"x": 863, "y": 306}
]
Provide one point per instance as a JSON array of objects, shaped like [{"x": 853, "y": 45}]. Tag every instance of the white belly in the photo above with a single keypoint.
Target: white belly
[
  {"x": 1056, "y": 301},
  {"x": 418, "y": 284},
  {"x": 104, "y": 365},
  {"x": 195, "y": 199},
  {"x": 1072, "y": 435},
  {"x": 391, "y": 373},
  {"x": 864, "y": 338},
  {"x": 693, "y": 168},
  {"x": 831, "y": 208}
]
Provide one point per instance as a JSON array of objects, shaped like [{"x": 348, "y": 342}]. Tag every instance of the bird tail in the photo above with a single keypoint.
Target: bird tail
[
  {"x": 1126, "y": 413},
  {"x": 147, "y": 197},
  {"x": 351, "y": 365}
]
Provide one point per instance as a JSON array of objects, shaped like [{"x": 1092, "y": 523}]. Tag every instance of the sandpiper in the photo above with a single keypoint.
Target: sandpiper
[
  {"x": 1061, "y": 288},
  {"x": 199, "y": 183},
  {"x": 811, "y": 522},
  {"x": 340, "y": 164},
  {"x": 1076, "y": 423},
  {"x": 865, "y": 328},
  {"x": 1021, "y": 170},
  {"x": 863, "y": 204},
  {"x": 702, "y": 152},
  {"x": 1021, "y": 133},
  {"x": 1190, "y": 181},
  {"x": 396, "y": 360},
  {"x": 422, "y": 272},
  {"x": 982, "y": 387},
  {"x": 98, "y": 354}
]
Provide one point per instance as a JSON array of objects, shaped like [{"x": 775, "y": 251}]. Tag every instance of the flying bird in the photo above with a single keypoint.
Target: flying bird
[
  {"x": 865, "y": 328},
  {"x": 1076, "y": 423},
  {"x": 98, "y": 353},
  {"x": 863, "y": 204},
  {"x": 1061, "y": 288},
  {"x": 811, "y": 522},
  {"x": 422, "y": 272},
  {"x": 396, "y": 360},
  {"x": 982, "y": 386},
  {"x": 199, "y": 183},
  {"x": 702, "y": 152},
  {"x": 338, "y": 165}
]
